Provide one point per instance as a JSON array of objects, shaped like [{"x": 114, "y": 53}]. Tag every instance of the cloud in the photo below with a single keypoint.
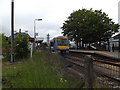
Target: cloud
[{"x": 52, "y": 12}]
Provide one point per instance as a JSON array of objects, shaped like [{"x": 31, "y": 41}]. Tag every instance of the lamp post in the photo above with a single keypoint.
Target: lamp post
[{"x": 35, "y": 31}]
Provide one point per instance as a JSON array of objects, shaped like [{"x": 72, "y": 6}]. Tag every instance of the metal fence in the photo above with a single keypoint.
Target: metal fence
[{"x": 101, "y": 74}]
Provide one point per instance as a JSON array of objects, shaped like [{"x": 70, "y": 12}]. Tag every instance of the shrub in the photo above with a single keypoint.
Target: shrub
[{"x": 21, "y": 46}]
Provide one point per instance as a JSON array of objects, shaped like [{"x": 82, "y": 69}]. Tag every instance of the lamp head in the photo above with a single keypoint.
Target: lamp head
[{"x": 38, "y": 19}]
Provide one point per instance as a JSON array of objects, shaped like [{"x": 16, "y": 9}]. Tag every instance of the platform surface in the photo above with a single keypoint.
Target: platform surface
[{"x": 107, "y": 53}]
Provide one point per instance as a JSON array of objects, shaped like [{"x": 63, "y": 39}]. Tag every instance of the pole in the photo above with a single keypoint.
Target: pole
[
  {"x": 111, "y": 42},
  {"x": 12, "y": 31},
  {"x": 119, "y": 46},
  {"x": 81, "y": 43},
  {"x": 34, "y": 36},
  {"x": 119, "y": 43}
]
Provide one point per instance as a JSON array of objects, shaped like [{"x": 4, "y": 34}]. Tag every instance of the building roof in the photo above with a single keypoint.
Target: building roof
[
  {"x": 117, "y": 36},
  {"x": 23, "y": 33},
  {"x": 38, "y": 40}
]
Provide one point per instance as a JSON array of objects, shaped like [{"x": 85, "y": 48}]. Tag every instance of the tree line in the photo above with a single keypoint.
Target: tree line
[{"x": 90, "y": 26}]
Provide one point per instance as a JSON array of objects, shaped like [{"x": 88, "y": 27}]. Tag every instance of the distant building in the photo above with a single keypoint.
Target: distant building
[
  {"x": 115, "y": 40},
  {"x": 38, "y": 40}
]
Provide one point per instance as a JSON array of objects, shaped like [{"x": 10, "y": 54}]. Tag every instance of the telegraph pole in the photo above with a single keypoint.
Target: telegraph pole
[{"x": 12, "y": 31}]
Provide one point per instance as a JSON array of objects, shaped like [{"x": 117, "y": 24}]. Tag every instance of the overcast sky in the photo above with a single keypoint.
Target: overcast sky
[{"x": 52, "y": 12}]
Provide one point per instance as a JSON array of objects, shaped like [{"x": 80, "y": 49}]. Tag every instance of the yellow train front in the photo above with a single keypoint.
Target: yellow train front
[{"x": 60, "y": 44}]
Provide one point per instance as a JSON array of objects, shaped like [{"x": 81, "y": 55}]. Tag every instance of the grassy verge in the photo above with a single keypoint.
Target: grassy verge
[{"x": 38, "y": 72}]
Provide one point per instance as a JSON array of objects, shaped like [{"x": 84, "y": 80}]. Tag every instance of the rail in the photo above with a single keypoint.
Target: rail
[
  {"x": 99, "y": 73},
  {"x": 109, "y": 72}
]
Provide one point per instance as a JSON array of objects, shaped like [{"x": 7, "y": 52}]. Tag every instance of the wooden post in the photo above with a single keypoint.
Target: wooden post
[
  {"x": 119, "y": 76},
  {"x": 89, "y": 76}
]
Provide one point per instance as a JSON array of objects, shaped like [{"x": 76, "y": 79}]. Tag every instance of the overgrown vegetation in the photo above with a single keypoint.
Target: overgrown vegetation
[
  {"x": 38, "y": 72},
  {"x": 21, "y": 46}
]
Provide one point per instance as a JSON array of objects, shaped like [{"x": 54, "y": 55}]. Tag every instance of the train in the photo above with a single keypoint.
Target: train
[{"x": 60, "y": 44}]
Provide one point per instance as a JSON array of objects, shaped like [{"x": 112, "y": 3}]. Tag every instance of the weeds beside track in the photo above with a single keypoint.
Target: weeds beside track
[{"x": 42, "y": 71}]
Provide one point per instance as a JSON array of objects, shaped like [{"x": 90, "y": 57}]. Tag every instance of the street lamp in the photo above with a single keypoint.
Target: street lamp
[{"x": 35, "y": 31}]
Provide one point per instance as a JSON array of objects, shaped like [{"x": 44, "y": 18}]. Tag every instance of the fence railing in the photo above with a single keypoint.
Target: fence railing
[{"x": 101, "y": 74}]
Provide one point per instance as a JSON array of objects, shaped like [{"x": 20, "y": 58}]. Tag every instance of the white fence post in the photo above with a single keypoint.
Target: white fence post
[{"x": 31, "y": 49}]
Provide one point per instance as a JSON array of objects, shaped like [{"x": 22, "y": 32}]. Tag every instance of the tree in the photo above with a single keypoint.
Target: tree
[
  {"x": 21, "y": 46},
  {"x": 90, "y": 25}
]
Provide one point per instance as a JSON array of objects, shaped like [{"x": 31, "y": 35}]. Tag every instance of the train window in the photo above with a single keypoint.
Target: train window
[{"x": 62, "y": 42}]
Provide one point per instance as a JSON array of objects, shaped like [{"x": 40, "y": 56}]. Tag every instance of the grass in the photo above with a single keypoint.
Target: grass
[
  {"x": 0, "y": 74},
  {"x": 42, "y": 71}
]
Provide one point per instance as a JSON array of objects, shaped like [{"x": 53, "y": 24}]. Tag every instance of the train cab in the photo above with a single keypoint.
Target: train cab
[{"x": 60, "y": 44}]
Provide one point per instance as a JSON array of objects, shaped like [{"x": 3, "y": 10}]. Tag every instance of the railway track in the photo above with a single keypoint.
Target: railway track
[{"x": 105, "y": 69}]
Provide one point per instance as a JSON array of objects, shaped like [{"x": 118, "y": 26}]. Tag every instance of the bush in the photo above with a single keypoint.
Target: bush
[{"x": 21, "y": 46}]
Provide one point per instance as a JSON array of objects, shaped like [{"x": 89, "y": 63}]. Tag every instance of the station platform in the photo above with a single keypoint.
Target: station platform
[{"x": 115, "y": 54}]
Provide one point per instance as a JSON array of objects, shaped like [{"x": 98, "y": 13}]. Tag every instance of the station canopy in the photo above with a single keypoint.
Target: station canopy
[{"x": 39, "y": 39}]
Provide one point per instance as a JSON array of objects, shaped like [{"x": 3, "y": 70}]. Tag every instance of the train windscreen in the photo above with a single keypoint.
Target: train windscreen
[{"x": 62, "y": 42}]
